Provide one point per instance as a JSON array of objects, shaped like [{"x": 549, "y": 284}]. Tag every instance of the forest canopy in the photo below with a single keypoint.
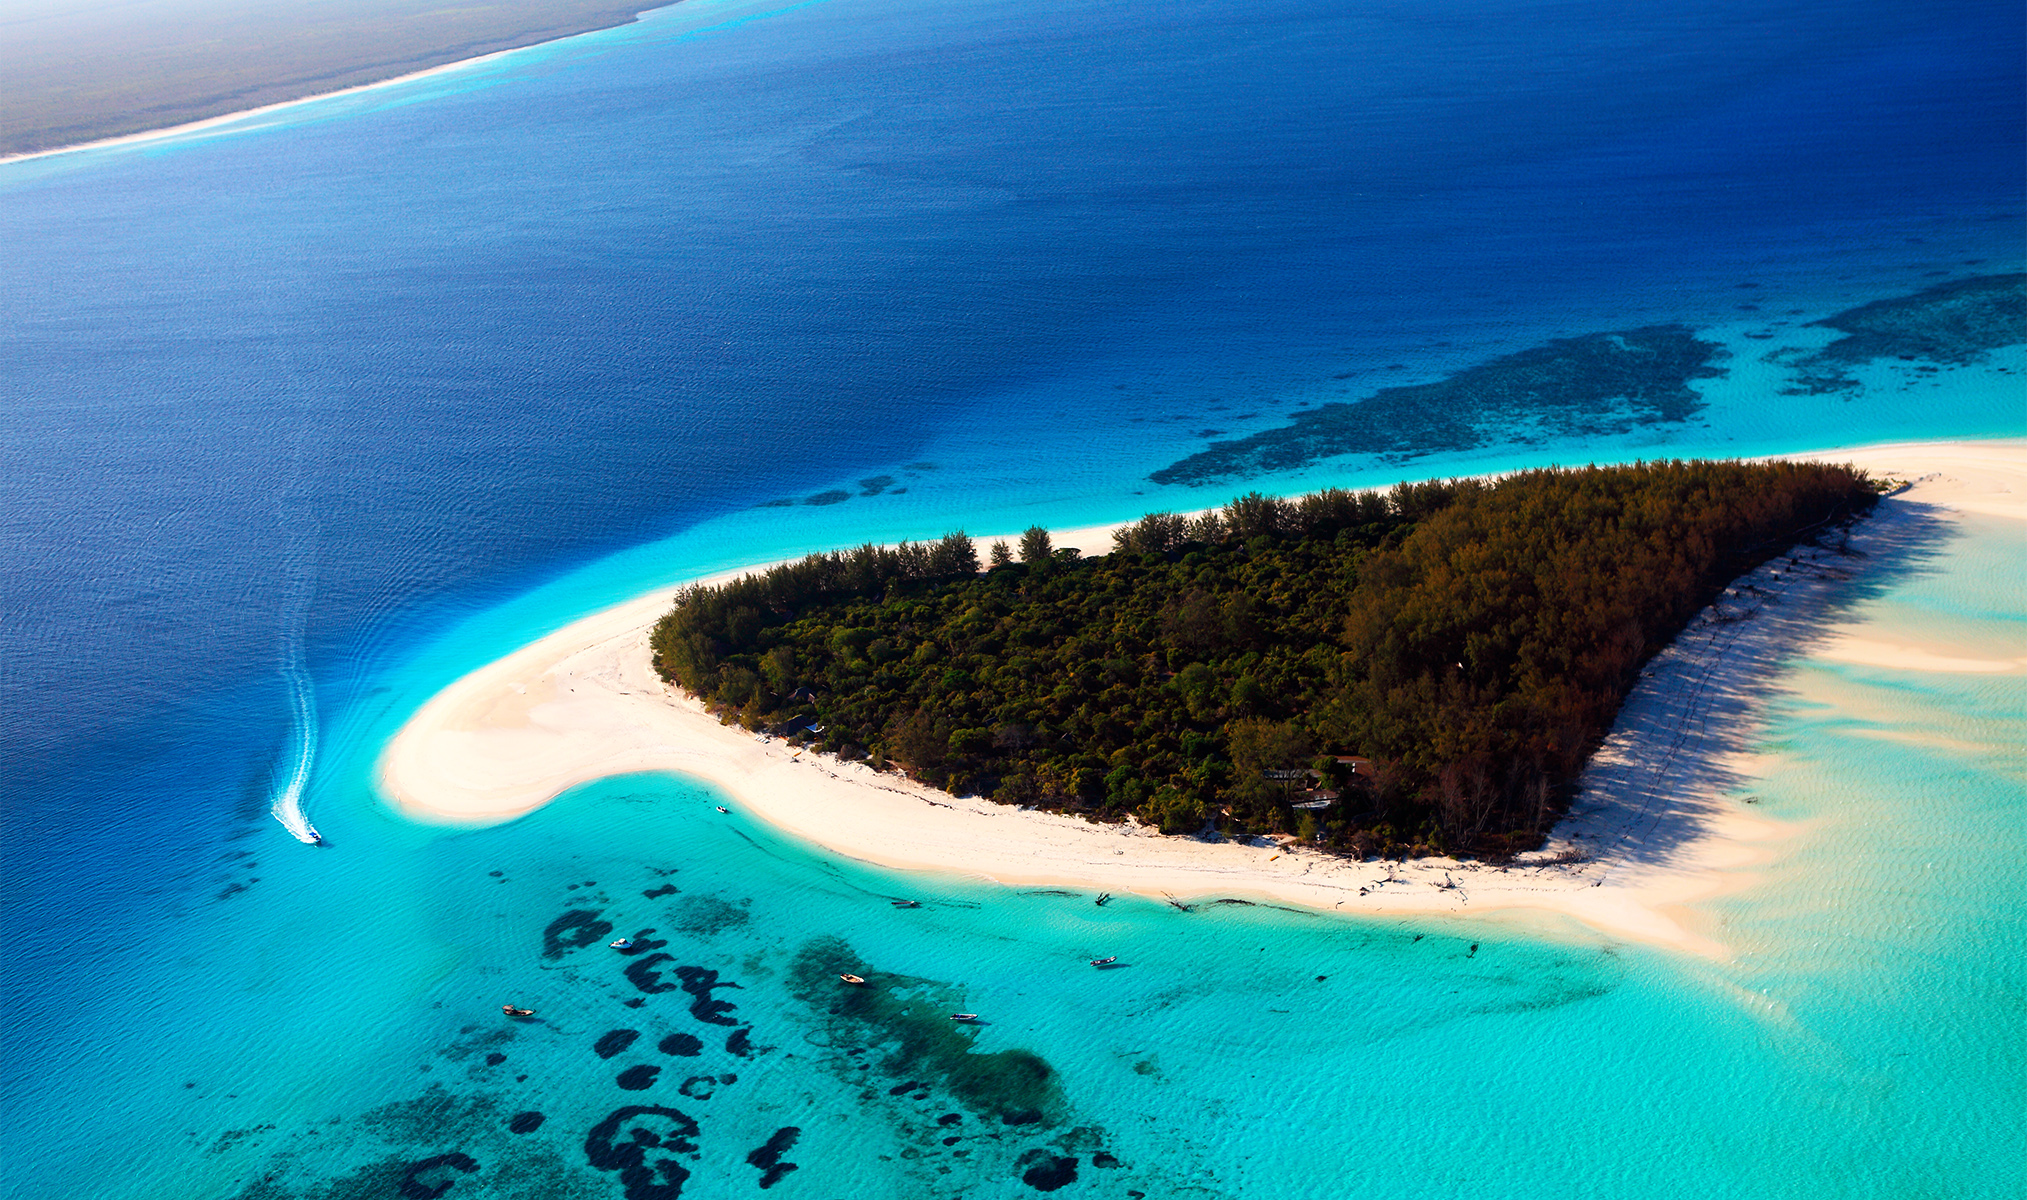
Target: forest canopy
[{"x": 1426, "y": 668}]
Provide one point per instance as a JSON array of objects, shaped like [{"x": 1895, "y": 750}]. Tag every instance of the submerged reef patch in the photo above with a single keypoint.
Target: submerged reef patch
[
  {"x": 699, "y": 982},
  {"x": 1578, "y": 387},
  {"x": 1045, "y": 1172},
  {"x": 906, "y": 1020},
  {"x": 1952, "y": 323},
  {"x": 703, "y": 916},
  {"x": 681, "y": 1044},
  {"x": 432, "y": 1177},
  {"x": 614, "y": 1042},
  {"x": 768, "y": 1156},
  {"x": 640, "y": 1142},
  {"x": 574, "y": 930},
  {"x": 644, "y": 976}
]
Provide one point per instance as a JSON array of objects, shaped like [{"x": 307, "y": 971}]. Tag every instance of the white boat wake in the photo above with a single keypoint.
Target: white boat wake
[
  {"x": 292, "y": 775},
  {"x": 288, "y": 801}
]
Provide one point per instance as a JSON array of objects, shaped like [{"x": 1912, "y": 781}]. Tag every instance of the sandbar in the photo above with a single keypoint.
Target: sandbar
[
  {"x": 81, "y": 78},
  {"x": 1659, "y": 823}
]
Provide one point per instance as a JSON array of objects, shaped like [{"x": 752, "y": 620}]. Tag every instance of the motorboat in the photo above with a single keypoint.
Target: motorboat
[
  {"x": 964, "y": 1017},
  {"x": 906, "y": 903},
  {"x": 511, "y": 1011},
  {"x": 1107, "y": 961},
  {"x": 621, "y": 943},
  {"x": 852, "y": 979},
  {"x": 721, "y": 808}
]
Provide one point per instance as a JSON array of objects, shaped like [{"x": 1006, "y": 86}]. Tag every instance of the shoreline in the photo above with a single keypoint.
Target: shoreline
[
  {"x": 1651, "y": 832},
  {"x": 168, "y": 131}
]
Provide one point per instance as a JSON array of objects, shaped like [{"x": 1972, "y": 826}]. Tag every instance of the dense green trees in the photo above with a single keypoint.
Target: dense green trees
[{"x": 1473, "y": 640}]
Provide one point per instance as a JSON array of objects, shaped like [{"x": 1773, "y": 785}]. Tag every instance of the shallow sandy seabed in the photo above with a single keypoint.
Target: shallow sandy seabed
[{"x": 1660, "y": 822}]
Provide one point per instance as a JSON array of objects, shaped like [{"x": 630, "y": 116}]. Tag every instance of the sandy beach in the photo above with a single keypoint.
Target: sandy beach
[
  {"x": 1662, "y": 822},
  {"x": 458, "y": 55}
]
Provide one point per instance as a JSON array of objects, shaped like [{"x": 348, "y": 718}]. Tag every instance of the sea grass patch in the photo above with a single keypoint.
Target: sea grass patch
[{"x": 905, "y": 1022}]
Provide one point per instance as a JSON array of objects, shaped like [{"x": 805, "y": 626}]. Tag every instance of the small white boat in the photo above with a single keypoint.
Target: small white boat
[
  {"x": 621, "y": 943},
  {"x": 512, "y": 1011},
  {"x": 721, "y": 808},
  {"x": 964, "y": 1016},
  {"x": 852, "y": 979},
  {"x": 1107, "y": 961},
  {"x": 905, "y": 903}
]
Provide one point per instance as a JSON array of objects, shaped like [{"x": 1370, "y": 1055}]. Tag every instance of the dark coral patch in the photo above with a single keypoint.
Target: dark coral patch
[
  {"x": 906, "y": 1018},
  {"x": 741, "y": 1043},
  {"x": 525, "y": 1122},
  {"x": 699, "y": 982},
  {"x": 624, "y": 1141},
  {"x": 614, "y": 1042},
  {"x": 1045, "y": 1172},
  {"x": 644, "y": 976},
  {"x": 432, "y": 1177},
  {"x": 681, "y": 1044},
  {"x": 1599, "y": 383},
  {"x": 708, "y": 915},
  {"x": 699, "y": 1087},
  {"x": 768, "y": 1156},
  {"x": 638, "y": 1079},
  {"x": 644, "y": 942},
  {"x": 667, "y": 889},
  {"x": 574, "y": 930},
  {"x": 1954, "y": 322},
  {"x": 495, "y": 1059}
]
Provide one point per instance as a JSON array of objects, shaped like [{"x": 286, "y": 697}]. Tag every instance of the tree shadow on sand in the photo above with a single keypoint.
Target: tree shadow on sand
[{"x": 1673, "y": 758}]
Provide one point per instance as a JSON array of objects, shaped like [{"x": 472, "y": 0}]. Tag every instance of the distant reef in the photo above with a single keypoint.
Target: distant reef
[
  {"x": 1951, "y": 323},
  {"x": 1610, "y": 383},
  {"x": 1588, "y": 386}
]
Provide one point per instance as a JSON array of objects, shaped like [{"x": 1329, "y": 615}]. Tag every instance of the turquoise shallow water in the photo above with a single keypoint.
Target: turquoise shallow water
[
  {"x": 1861, "y": 1043},
  {"x": 303, "y": 421}
]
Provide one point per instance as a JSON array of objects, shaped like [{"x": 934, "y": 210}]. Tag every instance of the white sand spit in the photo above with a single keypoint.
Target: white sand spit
[{"x": 1661, "y": 821}]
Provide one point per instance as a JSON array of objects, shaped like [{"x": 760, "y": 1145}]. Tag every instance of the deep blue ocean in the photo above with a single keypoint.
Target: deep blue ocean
[{"x": 302, "y": 418}]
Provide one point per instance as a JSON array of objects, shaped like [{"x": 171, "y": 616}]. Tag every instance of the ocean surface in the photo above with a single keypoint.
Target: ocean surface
[{"x": 304, "y": 417}]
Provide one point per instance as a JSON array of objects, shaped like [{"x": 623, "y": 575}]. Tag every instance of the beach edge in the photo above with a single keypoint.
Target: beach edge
[{"x": 1650, "y": 835}]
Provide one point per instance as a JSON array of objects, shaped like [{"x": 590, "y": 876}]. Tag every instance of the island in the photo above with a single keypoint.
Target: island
[
  {"x": 77, "y": 75},
  {"x": 1661, "y": 822},
  {"x": 1421, "y": 671}
]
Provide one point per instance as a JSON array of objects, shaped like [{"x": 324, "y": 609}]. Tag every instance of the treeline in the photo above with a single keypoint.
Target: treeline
[{"x": 1469, "y": 643}]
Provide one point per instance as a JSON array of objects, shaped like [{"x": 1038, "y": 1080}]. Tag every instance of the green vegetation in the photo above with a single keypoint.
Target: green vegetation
[{"x": 1472, "y": 641}]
